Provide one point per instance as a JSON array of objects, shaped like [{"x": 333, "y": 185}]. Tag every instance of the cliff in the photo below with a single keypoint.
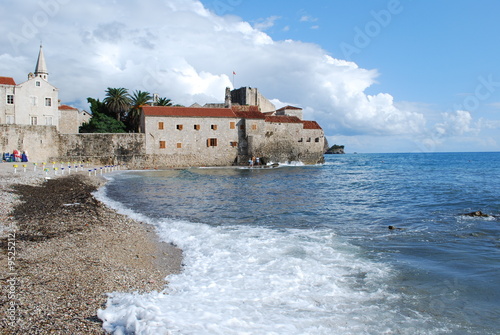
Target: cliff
[{"x": 335, "y": 149}]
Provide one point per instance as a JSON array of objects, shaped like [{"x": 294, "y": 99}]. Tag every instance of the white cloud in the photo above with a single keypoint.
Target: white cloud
[
  {"x": 457, "y": 123},
  {"x": 307, "y": 18},
  {"x": 182, "y": 51},
  {"x": 267, "y": 23}
]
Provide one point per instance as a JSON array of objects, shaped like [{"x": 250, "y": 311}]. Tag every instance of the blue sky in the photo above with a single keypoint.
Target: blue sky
[
  {"x": 379, "y": 76},
  {"x": 428, "y": 51}
]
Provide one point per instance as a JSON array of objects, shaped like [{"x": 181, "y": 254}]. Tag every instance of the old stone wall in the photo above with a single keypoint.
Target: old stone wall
[
  {"x": 287, "y": 143},
  {"x": 41, "y": 142},
  {"x": 105, "y": 149}
]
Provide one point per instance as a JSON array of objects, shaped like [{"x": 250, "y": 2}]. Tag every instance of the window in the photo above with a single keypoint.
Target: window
[
  {"x": 34, "y": 121},
  {"x": 233, "y": 144},
  {"x": 197, "y": 127},
  {"x": 161, "y": 125},
  {"x": 37, "y": 83},
  {"x": 309, "y": 139},
  {"x": 48, "y": 102},
  {"x": 213, "y": 127},
  {"x": 232, "y": 125},
  {"x": 179, "y": 127},
  {"x": 48, "y": 121},
  {"x": 179, "y": 145},
  {"x": 163, "y": 144},
  {"x": 301, "y": 140},
  {"x": 9, "y": 119},
  {"x": 254, "y": 127},
  {"x": 316, "y": 140},
  {"x": 10, "y": 99},
  {"x": 212, "y": 142}
]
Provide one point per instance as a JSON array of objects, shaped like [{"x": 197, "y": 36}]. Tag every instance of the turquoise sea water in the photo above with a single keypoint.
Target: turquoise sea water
[{"x": 307, "y": 249}]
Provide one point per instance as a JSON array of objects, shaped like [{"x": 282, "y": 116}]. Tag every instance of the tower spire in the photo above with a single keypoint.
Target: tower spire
[{"x": 41, "y": 67}]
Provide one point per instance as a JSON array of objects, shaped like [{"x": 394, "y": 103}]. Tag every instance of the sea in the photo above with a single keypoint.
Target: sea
[{"x": 308, "y": 250}]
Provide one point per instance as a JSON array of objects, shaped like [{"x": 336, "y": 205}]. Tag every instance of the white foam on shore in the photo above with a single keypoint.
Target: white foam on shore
[{"x": 255, "y": 280}]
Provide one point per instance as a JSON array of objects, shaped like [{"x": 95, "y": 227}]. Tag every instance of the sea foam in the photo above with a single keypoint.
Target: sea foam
[{"x": 257, "y": 280}]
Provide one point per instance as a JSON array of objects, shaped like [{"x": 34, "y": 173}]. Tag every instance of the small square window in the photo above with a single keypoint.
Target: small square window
[
  {"x": 48, "y": 102},
  {"x": 213, "y": 127},
  {"x": 233, "y": 144},
  {"x": 34, "y": 120},
  {"x": 179, "y": 127},
  {"x": 163, "y": 144},
  {"x": 37, "y": 83},
  {"x": 10, "y": 99},
  {"x": 316, "y": 140},
  {"x": 197, "y": 127},
  {"x": 212, "y": 142},
  {"x": 179, "y": 145},
  {"x": 161, "y": 125},
  {"x": 254, "y": 127},
  {"x": 232, "y": 125},
  {"x": 301, "y": 140}
]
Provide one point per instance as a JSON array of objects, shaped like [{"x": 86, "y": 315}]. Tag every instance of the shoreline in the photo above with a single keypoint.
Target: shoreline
[{"x": 67, "y": 251}]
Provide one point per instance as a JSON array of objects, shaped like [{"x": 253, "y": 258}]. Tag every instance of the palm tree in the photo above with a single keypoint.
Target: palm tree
[
  {"x": 164, "y": 102},
  {"x": 139, "y": 99},
  {"x": 117, "y": 101}
]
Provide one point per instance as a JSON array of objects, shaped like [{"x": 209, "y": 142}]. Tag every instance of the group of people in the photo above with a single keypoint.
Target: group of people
[
  {"x": 254, "y": 161},
  {"x": 15, "y": 156}
]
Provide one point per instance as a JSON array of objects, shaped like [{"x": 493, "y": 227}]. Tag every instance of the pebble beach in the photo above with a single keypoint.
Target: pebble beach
[{"x": 62, "y": 251}]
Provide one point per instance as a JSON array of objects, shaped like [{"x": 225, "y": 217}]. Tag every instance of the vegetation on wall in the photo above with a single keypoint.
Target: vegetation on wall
[{"x": 120, "y": 111}]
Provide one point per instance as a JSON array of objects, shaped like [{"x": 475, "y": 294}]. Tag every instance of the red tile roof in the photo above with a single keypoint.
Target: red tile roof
[
  {"x": 311, "y": 125},
  {"x": 289, "y": 107},
  {"x": 283, "y": 119},
  {"x": 248, "y": 112},
  {"x": 187, "y": 111},
  {"x": 7, "y": 81},
  {"x": 66, "y": 107}
]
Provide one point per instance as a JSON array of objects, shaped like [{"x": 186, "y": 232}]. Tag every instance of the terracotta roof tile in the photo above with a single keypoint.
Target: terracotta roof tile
[
  {"x": 248, "y": 112},
  {"x": 66, "y": 107},
  {"x": 311, "y": 125},
  {"x": 7, "y": 81},
  {"x": 289, "y": 107},
  {"x": 187, "y": 111},
  {"x": 283, "y": 119}
]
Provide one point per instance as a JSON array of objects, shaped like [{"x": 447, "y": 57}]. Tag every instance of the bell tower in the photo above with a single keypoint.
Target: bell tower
[{"x": 41, "y": 67}]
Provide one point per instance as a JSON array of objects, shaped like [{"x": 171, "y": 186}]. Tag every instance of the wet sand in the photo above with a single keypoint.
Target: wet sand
[{"x": 67, "y": 251}]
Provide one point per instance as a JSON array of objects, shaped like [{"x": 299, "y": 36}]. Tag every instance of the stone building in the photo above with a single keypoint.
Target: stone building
[
  {"x": 198, "y": 136},
  {"x": 71, "y": 118},
  {"x": 290, "y": 111},
  {"x": 35, "y": 102}
]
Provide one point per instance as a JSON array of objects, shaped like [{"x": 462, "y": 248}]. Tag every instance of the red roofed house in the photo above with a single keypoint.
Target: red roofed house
[
  {"x": 71, "y": 118},
  {"x": 290, "y": 111},
  {"x": 217, "y": 136}
]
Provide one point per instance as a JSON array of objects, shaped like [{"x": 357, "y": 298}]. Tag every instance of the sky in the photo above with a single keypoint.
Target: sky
[{"x": 378, "y": 76}]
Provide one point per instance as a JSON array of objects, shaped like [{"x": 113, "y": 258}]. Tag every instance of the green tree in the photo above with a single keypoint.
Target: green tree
[
  {"x": 164, "y": 102},
  {"x": 101, "y": 122},
  {"x": 118, "y": 102},
  {"x": 139, "y": 99}
]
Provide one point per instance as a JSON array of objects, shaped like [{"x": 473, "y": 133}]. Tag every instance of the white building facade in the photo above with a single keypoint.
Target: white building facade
[{"x": 33, "y": 102}]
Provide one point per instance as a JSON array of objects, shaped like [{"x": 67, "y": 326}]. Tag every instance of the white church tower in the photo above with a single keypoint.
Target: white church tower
[
  {"x": 35, "y": 102},
  {"x": 41, "y": 66}
]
